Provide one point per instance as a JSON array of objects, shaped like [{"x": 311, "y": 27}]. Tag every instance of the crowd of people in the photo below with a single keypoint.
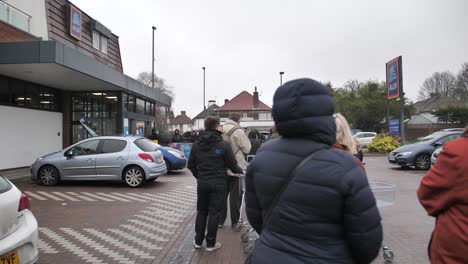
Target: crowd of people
[{"x": 307, "y": 193}]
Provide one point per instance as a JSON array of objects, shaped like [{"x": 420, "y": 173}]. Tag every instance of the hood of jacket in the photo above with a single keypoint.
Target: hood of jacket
[
  {"x": 304, "y": 108},
  {"x": 209, "y": 138}
]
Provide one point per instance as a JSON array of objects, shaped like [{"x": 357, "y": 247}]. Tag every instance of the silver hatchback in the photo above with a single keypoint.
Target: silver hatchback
[{"x": 132, "y": 159}]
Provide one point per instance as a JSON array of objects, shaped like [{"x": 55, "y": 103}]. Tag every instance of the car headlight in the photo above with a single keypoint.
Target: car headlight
[
  {"x": 175, "y": 154},
  {"x": 405, "y": 153},
  {"x": 38, "y": 159}
]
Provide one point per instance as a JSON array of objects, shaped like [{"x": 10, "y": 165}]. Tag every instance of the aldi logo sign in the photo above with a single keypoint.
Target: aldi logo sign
[{"x": 75, "y": 22}]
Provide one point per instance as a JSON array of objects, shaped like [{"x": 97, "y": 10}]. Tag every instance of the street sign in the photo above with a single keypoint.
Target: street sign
[
  {"x": 393, "y": 78},
  {"x": 394, "y": 127}
]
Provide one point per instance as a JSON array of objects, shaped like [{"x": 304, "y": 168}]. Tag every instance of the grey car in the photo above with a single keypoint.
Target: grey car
[
  {"x": 132, "y": 159},
  {"x": 419, "y": 153}
]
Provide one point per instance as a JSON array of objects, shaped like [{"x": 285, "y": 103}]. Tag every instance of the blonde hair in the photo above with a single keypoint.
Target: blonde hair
[{"x": 343, "y": 133}]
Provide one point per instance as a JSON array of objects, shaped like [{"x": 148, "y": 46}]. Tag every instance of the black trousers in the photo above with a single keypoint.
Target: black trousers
[
  {"x": 232, "y": 189},
  {"x": 209, "y": 204}
]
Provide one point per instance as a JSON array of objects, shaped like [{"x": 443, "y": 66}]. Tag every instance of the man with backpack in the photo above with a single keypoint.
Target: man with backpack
[{"x": 234, "y": 134}]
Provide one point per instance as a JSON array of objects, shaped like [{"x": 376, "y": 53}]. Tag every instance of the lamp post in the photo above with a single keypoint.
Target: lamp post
[
  {"x": 152, "y": 69},
  {"x": 204, "y": 106},
  {"x": 281, "y": 78}
]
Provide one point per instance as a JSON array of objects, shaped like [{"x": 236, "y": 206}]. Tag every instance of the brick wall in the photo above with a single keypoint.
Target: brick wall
[{"x": 9, "y": 33}]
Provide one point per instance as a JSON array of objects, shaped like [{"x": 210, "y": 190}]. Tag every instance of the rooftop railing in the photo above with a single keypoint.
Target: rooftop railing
[{"x": 15, "y": 17}]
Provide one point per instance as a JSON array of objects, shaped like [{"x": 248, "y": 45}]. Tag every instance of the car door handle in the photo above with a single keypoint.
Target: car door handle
[
  {"x": 90, "y": 160},
  {"x": 120, "y": 158}
]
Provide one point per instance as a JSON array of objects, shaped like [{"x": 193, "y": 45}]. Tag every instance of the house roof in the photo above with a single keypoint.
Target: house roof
[
  {"x": 423, "y": 118},
  {"x": 242, "y": 102},
  {"x": 181, "y": 120},
  {"x": 434, "y": 103},
  {"x": 205, "y": 113}
]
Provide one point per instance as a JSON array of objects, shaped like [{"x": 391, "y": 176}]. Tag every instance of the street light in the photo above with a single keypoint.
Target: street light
[
  {"x": 204, "y": 106},
  {"x": 152, "y": 70},
  {"x": 281, "y": 78}
]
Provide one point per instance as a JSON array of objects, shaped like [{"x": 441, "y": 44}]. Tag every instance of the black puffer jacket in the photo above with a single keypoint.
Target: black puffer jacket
[
  {"x": 328, "y": 213},
  {"x": 210, "y": 157}
]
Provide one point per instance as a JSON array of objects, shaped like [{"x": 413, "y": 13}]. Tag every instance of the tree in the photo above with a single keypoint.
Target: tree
[
  {"x": 365, "y": 104},
  {"x": 455, "y": 114},
  {"x": 461, "y": 86},
  {"x": 440, "y": 83},
  {"x": 159, "y": 83}
]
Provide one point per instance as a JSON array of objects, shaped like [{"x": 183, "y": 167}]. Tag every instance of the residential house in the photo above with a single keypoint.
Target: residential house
[
  {"x": 254, "y": 113},
  {"x": 181, "y": 122}
]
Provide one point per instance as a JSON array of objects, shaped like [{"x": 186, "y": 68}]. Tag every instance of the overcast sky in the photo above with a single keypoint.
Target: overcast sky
[{"x": 245, "y": 43}]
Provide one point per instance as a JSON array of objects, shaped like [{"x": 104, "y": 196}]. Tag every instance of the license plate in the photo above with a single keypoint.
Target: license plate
[
  {"x": 391, "y": 158},
  {"x": 10, "y": 258}
]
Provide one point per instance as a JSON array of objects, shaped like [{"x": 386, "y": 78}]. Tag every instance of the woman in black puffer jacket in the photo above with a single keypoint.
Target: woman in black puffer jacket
[{"x": 328, "y": 213}]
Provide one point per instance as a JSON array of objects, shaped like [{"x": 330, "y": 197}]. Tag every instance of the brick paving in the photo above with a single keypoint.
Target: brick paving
[{"x": 101, "y": 222}]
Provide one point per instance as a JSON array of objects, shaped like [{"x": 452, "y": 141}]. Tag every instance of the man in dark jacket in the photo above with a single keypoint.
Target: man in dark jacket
[
  {"x": 327, "y": 213},
  {"x": 210, "y": 157}
]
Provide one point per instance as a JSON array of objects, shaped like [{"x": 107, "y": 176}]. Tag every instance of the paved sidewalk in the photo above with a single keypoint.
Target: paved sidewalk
[{"x": 16, "y": 174}]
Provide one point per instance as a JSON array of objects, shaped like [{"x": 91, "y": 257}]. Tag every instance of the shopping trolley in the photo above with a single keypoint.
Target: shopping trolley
[{"x": 385, "y": 195}]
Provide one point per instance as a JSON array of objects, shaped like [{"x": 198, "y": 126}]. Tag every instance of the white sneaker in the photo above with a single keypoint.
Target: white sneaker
[
  {"x": 196, "y": 245},
  {"x": 215, "y": 247}
]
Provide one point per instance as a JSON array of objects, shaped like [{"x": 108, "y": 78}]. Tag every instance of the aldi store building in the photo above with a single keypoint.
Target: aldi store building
[{"x": 60, "y": 68}]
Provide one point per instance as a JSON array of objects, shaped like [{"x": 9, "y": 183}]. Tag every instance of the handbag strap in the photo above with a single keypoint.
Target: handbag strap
[{"x": 292, "y": 175}]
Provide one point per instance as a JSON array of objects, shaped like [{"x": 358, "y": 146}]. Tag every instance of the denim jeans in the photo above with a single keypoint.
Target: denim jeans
[{"x": 209, "y": 204}]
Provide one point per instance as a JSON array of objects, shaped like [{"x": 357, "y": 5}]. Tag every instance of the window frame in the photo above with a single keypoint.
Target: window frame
[{"x": 98, "y": 41}]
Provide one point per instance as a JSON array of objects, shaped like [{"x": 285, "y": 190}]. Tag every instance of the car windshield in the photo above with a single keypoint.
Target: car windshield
[{"x": 146, "y": 144}]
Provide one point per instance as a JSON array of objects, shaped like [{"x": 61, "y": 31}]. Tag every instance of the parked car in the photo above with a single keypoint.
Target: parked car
[
  {"x": 434, "y": 155},
  {"x": 174, "y": 158},
  {"x": 18, "y": 226},
  {"x": 132, "y": 159},
  {"x": 458, "y": 129},
  {"x": 419, "y": 153},
  {"x": 365, "y": 138}
]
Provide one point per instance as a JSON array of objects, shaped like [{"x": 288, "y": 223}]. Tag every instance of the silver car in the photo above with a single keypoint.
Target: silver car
[{"x": 133, "y": 159}]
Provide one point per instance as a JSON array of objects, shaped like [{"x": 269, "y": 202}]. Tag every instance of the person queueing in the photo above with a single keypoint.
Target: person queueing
[
  {"x": 309, "y": 202},
  {"x": 234, "y": 134},
  {"x": 344, "y": 139},
  {"x": 176, "y": 138},
  {"x": 210, "y": 157},
  {"x": 444, "y": 194}
]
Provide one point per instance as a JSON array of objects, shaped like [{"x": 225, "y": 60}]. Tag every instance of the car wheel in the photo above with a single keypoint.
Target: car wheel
[
  {"x": 168, "y": 166},
  {"x": 422, "y": 162},
  {"x": 134, "y": 176},
  {"x": 48, "y": 175}
]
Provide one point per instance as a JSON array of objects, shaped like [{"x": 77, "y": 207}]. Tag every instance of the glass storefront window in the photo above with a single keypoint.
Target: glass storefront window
[
  {"x": 131, "y": 103},
  {"x": 25, "y": 94},
  {"x": 148, "y": 108},
  {"x": 99, "y": 110},
  {"x": 125, "y": 102},
  {"x": 140, "y": 106}
]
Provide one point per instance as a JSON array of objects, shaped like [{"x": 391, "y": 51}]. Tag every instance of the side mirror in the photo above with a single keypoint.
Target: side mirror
[
  {"x": 437, "y": 144},
  {"x": 69, "y": 154}
]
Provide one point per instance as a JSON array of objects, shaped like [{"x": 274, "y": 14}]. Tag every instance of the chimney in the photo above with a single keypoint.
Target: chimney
[
  {"x": 211, "y": 102},
  {"x": 183, "y": 113},
  {"x": 226, "y": 101},
  {"x": 256, "y": 102}
]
